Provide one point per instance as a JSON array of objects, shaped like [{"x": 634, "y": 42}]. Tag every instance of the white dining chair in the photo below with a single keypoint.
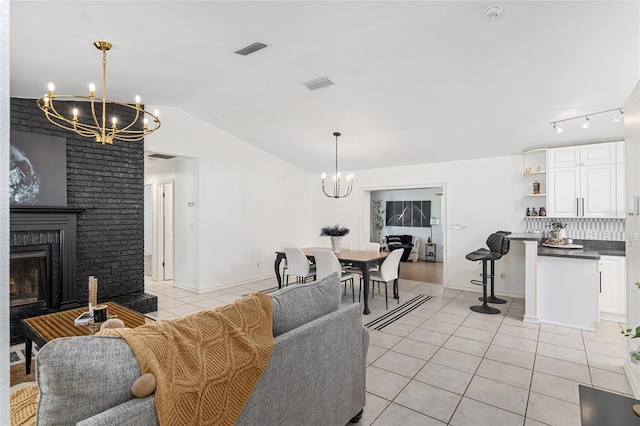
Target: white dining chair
[
  {"x": 370, "y": 247},
  {"x": 298, "y": 265},
  {"x": 345, "y": 245},
  {"x": 327, "y": 263},
  {"x": 283, "y": 245},
  {"x": 388, "y": 272}
]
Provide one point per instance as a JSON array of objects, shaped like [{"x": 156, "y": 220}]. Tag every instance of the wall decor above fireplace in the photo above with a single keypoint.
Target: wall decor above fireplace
[{"x": 37, "y": 170}]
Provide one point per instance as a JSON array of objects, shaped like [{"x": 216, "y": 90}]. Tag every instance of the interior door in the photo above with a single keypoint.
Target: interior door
[{"x": 166, "y": 227}]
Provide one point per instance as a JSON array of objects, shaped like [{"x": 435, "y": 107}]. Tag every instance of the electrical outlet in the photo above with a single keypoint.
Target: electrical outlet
[
  {"x": 502, "y": 276},
  {"x": 606, "y": 235},
  {"x": 592, "y": 235}
]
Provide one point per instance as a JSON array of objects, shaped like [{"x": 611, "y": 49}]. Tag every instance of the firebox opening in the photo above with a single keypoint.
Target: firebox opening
[{"x": 29, "y": 275}]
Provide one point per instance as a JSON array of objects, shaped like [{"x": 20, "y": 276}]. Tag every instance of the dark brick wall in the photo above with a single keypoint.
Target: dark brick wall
[{"x": 107, "y": 181}]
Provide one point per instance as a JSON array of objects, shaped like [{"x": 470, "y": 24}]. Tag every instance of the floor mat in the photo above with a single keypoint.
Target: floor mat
[{"x": 397, "y": 313}]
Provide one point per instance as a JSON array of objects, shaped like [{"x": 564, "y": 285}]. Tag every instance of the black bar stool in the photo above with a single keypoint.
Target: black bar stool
[
  {"x": 491, "y": 298},
  {"x": 495, "y": 244}
]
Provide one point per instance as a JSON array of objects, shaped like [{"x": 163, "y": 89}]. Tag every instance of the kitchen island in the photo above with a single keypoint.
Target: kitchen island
[{"x": 562, "y": 286}]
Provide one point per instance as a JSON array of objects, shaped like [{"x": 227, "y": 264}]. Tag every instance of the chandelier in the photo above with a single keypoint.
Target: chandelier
[
  {"x": 336, "y": 178},
  {"x": 92, "y": 127}
]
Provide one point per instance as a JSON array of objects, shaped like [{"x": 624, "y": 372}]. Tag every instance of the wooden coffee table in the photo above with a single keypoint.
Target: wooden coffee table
[{"x": 45, "y": 328}]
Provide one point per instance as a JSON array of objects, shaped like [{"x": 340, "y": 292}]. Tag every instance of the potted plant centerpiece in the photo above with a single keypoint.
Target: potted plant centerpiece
[
  {"x": 558, "y": 232},
  {"x": 335, "y": 232}
]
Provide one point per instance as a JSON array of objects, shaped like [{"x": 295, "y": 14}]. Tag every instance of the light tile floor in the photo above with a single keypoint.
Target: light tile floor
[{"x": 444, "y": 364}]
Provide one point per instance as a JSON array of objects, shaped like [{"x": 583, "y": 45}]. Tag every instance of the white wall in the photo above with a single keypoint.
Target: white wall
[
  {"x": 184, "y": 175},
  {"x": 4, "y": 210},
  {"x": 632, "y": 227},
  {"x": 483, "y": 195},
  {"x": 247, "y": 201}
]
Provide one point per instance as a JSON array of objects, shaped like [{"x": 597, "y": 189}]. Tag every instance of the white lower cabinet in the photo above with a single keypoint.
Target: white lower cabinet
[{"x": 612, "y": 288}]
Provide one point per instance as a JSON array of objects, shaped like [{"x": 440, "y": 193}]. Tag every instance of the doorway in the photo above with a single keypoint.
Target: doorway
[
  {"x": 412, "y": 202},
  {"x": 165, "y": 231}
]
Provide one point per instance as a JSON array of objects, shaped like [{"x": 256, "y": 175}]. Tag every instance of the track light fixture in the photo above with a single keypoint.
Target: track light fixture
[
  {"x": 587, "y": 119},
  {"x": 619, "y": 117},
  {"x": 557, "y": 128}
]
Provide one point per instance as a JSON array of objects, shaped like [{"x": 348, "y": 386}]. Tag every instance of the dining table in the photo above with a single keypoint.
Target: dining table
[{"x": 360, "y": 259}]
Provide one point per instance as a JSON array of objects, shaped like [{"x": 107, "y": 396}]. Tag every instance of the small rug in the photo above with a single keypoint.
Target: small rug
[
  {"x": 17, "y": 353},
  {"x": 397, "y": 313}
]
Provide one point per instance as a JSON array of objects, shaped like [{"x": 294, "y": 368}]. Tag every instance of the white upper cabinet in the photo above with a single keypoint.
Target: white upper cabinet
[
  {"x": 598, "y": 190},
  {"x": 564, "y": 192},
  {"x": 583, "y": 181},
  {"x": 564, "y": 157},
  {"x": 599, "y": 153}
]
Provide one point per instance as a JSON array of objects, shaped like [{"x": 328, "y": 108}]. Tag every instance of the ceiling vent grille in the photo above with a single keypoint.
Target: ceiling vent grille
[
  {"x": 251, "y": 48},
  {"x": 161, "y": 156},
  {"x": 319, "y": 83}
]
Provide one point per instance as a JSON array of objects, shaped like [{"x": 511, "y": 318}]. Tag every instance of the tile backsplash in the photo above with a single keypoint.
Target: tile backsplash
[{"x": 580, "y": 228}]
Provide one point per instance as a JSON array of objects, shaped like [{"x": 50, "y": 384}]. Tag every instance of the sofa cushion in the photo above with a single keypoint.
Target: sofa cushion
[{"x": 299, "y": 304}]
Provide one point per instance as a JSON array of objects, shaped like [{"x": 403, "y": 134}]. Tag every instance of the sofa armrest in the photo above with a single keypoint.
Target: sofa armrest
[{"x": 138, "y": 411}]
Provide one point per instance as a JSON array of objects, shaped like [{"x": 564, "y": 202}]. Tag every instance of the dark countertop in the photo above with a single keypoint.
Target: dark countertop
[
  {"x": 572, "y": 253},
  {"x": 593, "y": 249},
  {"x": 525, "y": 236}
]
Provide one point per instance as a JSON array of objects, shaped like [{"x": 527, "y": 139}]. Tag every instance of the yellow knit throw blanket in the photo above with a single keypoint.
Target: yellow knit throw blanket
[
  {"x": 23, "y": 403},
  {"x": 206, "y": 364}
]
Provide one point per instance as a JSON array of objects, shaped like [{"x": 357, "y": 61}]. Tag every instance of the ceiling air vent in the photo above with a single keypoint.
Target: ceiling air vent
[
  {"x": 161, "y": 156},
  {"x": 319, "y": 83},
  {"x": 251, "y": 48}
]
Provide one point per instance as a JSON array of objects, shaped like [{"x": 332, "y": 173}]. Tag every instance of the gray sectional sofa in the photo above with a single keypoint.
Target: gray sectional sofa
[{"x": 315, "y": 376}]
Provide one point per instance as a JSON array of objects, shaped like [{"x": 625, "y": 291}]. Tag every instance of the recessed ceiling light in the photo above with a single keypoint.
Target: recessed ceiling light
[{"x": 492, "y": 12}]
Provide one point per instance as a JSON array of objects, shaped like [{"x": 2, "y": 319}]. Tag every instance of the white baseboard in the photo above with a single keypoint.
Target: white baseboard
[
  {"x": 227, "y": 285},
  {"x": 633, "y": 374},
  {"x": 567, "y": 325},
  {"x": 608, "y": 316}
]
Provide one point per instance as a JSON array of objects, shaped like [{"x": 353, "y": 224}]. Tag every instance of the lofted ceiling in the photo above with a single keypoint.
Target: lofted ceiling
[{"x": 415, "y": 82}]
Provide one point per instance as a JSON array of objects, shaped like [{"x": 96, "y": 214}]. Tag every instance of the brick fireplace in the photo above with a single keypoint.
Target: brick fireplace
[{"x": 101, "y": 230}]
